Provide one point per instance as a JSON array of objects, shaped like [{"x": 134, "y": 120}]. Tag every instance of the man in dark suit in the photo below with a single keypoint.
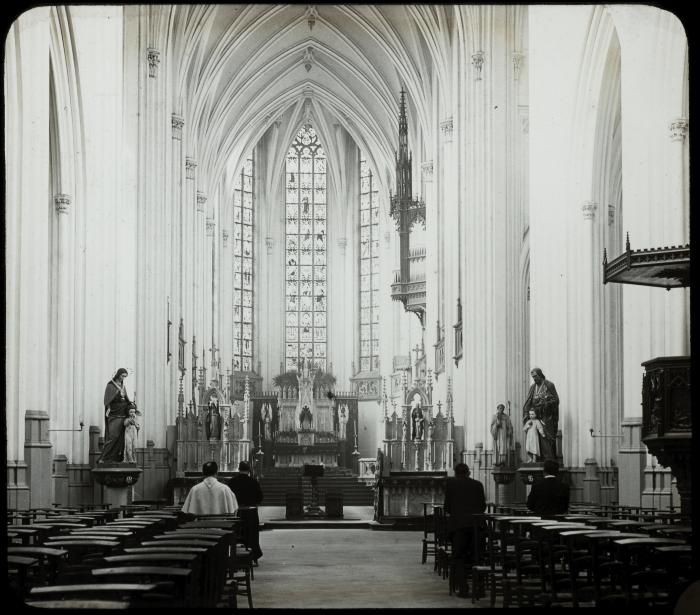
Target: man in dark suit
[
  {"x": 249, "y": 495},
  {"x": 550, "y": 496},
  {"x": 464, "y": 497}
]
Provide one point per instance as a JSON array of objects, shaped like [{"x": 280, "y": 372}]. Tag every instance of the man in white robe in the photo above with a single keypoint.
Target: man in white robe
[{"x": 210, "y": 497}]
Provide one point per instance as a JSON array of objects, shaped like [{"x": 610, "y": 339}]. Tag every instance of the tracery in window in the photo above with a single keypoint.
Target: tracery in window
[
  {"x": 369, "y": 270},
  {"x": 305, "y": 251},
  {"x": 243, "y": 268}
]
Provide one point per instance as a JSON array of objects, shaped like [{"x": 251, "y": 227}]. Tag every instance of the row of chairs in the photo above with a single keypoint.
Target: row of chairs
[
  {"x": 575, "y": 559},
  {"x": 146, "y": 557}
]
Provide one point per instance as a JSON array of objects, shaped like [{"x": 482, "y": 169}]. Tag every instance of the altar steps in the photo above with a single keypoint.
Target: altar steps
[{"x": 275, "y": 486}]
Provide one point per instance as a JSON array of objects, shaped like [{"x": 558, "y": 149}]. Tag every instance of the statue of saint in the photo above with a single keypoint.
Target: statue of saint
[
  {"x": 117, "y": 404},
  {"x": 502, "y": 433},
  {"x": 543, "y": 399},
  {"x": 417, "y": 419},
  {"x": 131, "y": 432},
  {"x": 342, "y": 422},
  {"x": 268, "y": 422},
  {"x": 534, "y": 437},
  {"x": 212, "y": 426}
]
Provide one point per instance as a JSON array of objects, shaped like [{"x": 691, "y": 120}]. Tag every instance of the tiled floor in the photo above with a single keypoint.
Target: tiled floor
[{"x": 346, "y": 568}]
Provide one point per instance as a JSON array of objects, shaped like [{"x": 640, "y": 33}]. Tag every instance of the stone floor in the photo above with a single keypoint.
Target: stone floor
[{"x": 346, "y": 568}]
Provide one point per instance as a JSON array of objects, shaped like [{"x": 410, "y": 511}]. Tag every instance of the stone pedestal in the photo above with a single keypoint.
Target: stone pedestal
[
  {"x": 117, "y": 481},
  {"x": 503, "y": 477},
  {"x": 39, "y": 457},
  {"x": 531, "y": 473},
  {"x": 60, "y": 480},
  {"x": 591, "y": 482}
]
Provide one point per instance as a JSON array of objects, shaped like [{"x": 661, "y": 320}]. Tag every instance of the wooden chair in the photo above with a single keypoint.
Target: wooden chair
[
  {"x": 79, "y": 548},
  {"x": 19, "y": 571},
  {"x": 428, "y": 542},
  {"x": 78, "y": 603},
  {"x": 186, "y": 558},
  {"x": 643, "y": 583},
  {"x": 214, "y": 562},
  {"x": 134, "y": 593},
  {"x": 181, "y": 578},
  {"x": 50, "y": 560}
]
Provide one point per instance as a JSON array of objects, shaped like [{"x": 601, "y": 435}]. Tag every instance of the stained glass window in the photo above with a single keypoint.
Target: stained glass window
[
  {"x": 305, "y": 251},
  {"x": 243, "y": 268},
  {"x": 369, "y": 270}
]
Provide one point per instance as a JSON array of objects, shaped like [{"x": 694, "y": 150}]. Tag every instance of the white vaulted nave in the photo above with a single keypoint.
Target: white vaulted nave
[{"x": 334, "y": 239}]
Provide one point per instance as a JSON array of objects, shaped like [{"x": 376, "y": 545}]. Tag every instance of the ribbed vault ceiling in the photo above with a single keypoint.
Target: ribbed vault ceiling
[{"x": 243, "y": 67}]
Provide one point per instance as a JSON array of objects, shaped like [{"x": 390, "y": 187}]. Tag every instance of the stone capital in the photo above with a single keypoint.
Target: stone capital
[
  {"x": 224, "y": 237},
  {"x": 153, "y": 56},
  {"x": 62, "y": 203},
  {"x": 177, "y": 124},
  {"x": 678, "y": 129},
  {"x": 210, "y": 227},
  {"x": 446, "y": 127},
  {"x": 201, "y": 200},
  {"x": 517, "y": 64},
  {"x": 190, "y": 166},
  {"x": 427, "y": 169},
  {"x": 478, "y": 63},
  {"x": 588, "y": 208}
]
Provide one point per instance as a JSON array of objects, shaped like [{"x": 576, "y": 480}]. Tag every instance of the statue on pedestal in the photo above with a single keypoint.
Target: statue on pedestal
[
  {"x": 131, "y": 432},
  {"x": 502, "y": 433},
  {"x": 117, "y": 405},
  {"x": 342, "y": 422},
  {"x": 417, "y": 419},
  {"x": 267, "y": 420},
  {"x": 544, "y": 400},
  {"x": 212, "y": 426}
]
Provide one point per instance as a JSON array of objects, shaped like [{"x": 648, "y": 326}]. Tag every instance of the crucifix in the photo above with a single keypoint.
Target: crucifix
[
  {"x": 417, "y": 350},
  {"x": 213, "y": 351}
]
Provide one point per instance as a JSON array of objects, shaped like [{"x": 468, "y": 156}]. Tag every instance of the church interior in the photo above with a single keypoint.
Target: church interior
[{"x": 351, "y": 246}]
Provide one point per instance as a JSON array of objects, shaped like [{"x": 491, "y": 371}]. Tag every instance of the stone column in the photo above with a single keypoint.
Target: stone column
[
  {"x": 62, "y": 406},
  {"x": 27, "y": 234},
  {"x": 677, "y": 233}
]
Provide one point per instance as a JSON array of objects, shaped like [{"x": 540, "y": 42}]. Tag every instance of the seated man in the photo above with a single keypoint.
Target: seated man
[
  {"x": 550, "y": 496},
  {"x": 210, "y": 497}
]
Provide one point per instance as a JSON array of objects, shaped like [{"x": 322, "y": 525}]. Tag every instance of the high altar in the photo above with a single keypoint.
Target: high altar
[{"x": 311, "y": 427}]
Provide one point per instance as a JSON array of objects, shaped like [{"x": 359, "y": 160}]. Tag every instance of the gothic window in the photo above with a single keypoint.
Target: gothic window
[
  {"x": 243, "y": 268},
  {"x": 369, "y": 270},
  {"x": 305, "y": 251}
]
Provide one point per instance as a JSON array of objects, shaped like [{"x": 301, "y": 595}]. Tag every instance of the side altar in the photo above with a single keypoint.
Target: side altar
[
  {"x": 214, "y": 426},
  {"x": 416, "y": 454}
]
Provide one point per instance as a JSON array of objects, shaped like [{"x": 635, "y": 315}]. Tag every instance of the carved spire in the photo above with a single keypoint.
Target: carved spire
[{"x": 403, "y": 158}]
